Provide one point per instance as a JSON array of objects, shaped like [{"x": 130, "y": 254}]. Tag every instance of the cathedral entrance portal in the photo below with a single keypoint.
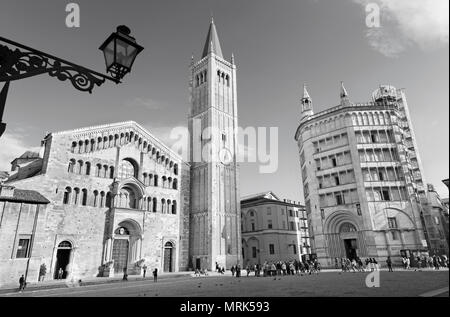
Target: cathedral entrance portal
[
  {"x": 62, "y": 260},
  {"x": 350, "y": 248},
  {"x": 121, "y": 249},
  {"x": 168, "y": 257}
]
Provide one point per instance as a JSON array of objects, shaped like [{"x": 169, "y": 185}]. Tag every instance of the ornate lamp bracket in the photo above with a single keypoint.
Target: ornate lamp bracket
[{"x": 23, "y": 62}]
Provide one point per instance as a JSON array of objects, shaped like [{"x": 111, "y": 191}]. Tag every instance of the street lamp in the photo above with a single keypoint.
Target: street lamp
[{"x": 120, "y": 50}]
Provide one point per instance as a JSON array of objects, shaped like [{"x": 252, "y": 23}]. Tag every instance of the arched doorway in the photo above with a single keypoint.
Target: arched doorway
[
  {"x": 349, "y": 235},
  {"x": 168, "y": 257},
  {"x": 121, "y": 249},
  {"x": 62, "y": 260}
]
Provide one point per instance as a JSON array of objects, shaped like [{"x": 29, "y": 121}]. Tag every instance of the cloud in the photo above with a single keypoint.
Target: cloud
[
  {"x": 12, "y": 146},
  {"x": 146, "y": 103},
  {"x": 406, "y": 23}
]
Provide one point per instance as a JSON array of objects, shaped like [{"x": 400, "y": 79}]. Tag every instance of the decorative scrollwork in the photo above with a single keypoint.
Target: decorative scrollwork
[{"x": 17, "y": 64}]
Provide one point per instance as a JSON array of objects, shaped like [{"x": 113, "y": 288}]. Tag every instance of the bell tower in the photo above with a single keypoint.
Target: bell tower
[{"x": 215, "y": 235}]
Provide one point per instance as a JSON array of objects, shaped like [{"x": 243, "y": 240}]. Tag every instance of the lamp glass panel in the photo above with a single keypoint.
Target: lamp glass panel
[
  {"x": 125, "y": 54},
  {"x": 109, "y": 53}
]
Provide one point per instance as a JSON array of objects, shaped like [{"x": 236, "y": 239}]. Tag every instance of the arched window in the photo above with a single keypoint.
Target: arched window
[
  {"x": 149, "y": 203},
  {"x": 174, "y": 207},
  {"x": 84, "y": 197},
  {"x": 108, "y": 200},
  {"x": 164, "y": 181},
  {"x": 77, "y": 195},
  {"x": 99, "y": 143},
  {"x": 86, "y": 146},
  {"x": 155, "y": 205},
  {"x": 92, "y": 145},
  {"x": 74, "y": 146},
  {"x": 175, "y": 184},
  {"x": 80, "y": 166},
  {"x": 105, "y": 171},
  {"x": 88, "y": 168},
  {"x": 155, "y": 180},
  {"x": 95, "y": 201},
  {"x": 71, "y": 167},
  {"x": 127, "y": 169},
  {"x": 163, "y": 206},
  {"x": 98, "y": 171},
  {"x": 80, "y": 147},
  {"x": 102, "y": 199},
  {"x": 145, "y": 178},
  {"x": 111, "y": 172},
  {"x": 150, "y": 179},
  {"x": 67, "y": 196}
]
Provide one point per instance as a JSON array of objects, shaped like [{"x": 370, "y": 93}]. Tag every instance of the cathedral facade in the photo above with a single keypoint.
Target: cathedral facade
[{"x": 113, "y": 198}]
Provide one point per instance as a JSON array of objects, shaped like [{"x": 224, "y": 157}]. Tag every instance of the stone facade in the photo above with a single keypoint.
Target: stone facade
[
  {"x": 119, "y": 198},
  {"x": 362, "y": 179},
  {"x": 273, "y": 230},
  {"x": 215, "y": 208}
]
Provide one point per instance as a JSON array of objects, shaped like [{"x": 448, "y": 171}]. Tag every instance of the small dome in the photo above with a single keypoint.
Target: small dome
[{"x": 385, "y": 92}]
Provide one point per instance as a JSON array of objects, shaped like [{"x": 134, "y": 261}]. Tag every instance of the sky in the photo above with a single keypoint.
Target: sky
[{"x": 278, "y": 46}]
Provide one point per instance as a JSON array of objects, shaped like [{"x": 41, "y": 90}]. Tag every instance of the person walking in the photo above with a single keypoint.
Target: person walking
[
  {"x": 125, "y": 274},
  {"x": 389, "y": 264},
  {"x": 375, "y": 264},
  {"x": 21, "y": 283},
  {"x": 144, "y": 268},
  {"x": 232, "y": 270},
  {"x": 155, "y": 275},
  {"x": 60, "y": 273}
]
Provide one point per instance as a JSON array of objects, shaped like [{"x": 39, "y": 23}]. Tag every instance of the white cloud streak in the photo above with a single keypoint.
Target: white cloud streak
[{"x": 407, "y": 23}]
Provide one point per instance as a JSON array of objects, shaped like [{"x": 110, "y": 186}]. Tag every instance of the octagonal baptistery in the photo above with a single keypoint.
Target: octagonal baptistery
[
  {"x": 362, "y": 179},
  {"x": 119, "y": 200}
]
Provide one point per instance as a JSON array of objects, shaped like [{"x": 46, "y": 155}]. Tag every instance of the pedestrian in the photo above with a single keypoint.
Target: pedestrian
[
  {"x": 60, "y": 273},
  {"x": 144, "y": 268},
  {"x": 232, "y": 270},
  {"x": 155, "y": 275},
  {"x": 375, "y": 264},
  {"x": 408, "y": 263},
  {"x": 389, "y": 264},
  {"x": 125, "y": 274},
  {"x": 283, "y": 268},
  {"x": 21, "y": 283}
]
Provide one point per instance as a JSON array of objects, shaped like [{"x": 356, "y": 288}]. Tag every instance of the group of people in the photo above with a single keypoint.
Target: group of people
[
  {"x": 425, "y": 261},
  {"x": 279, "y": 268},
  {"x": 356, "y": 264}
]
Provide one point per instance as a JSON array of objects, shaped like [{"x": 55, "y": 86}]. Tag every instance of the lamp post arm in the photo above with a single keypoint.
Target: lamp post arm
[{"x": 26, "y": 62}]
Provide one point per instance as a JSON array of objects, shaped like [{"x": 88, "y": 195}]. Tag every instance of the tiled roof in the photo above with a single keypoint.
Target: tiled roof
[
  {"x": 260, "y": 196},
  {"x": 26, "y": 196}
]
